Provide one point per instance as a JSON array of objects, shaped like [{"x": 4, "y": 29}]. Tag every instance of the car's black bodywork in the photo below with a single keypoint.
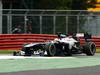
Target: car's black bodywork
[{"x": 66, "y": 46}]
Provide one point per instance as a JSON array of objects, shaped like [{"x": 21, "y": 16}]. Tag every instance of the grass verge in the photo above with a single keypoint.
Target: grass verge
[
  {"x": 97, "y": 50},
  {"x": 6, "y": 51}
]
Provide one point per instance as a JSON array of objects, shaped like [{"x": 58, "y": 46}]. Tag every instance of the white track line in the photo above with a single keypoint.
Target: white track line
[{"x": 32, "y": 57}]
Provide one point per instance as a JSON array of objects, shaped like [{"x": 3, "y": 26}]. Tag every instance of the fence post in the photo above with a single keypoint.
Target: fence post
[
  {"x": 10, "y": 24},
  {"x": 77, "y": 24},
  {"x": 66, "y": 24},
  {"x": 0, "y": 17},
  {"x": 54, "y": 24},
  {"x": 9, "y": 28},
  {"x": 25, "y": 24},
  {"x": 40, "y": 24}
]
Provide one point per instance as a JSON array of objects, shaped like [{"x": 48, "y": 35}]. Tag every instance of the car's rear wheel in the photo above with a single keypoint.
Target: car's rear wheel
[{"x": 90, "y": 48}]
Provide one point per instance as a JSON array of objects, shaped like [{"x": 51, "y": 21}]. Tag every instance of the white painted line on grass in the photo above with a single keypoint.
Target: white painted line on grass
[{"x": 33, "y": 57}]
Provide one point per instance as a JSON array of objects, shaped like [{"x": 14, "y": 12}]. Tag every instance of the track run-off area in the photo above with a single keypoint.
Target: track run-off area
[{"x": 9, "y": 63}]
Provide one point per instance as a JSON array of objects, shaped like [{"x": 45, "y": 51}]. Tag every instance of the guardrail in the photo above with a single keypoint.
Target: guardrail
[
  {"x": 95, "y": 39},
  {"x": 16, "y": 41}
]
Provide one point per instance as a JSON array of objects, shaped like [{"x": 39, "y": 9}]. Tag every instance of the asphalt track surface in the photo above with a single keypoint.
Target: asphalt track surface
[
  {"x": 74, "y": 71},
  {"x": 85, "y": 70}
]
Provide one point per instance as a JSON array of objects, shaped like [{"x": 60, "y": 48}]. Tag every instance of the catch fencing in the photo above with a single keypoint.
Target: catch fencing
[
  {"x": 50, "y": 21},
  {"x": 16, "y": 41}
]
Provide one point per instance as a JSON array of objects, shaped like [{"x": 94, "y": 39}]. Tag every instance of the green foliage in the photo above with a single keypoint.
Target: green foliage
[
  {"x": 6, "y": 51},
  {"x": 83, "y": 4},
  {"x": 54, "y": 4},
  {"x": 65, "y": 4}
]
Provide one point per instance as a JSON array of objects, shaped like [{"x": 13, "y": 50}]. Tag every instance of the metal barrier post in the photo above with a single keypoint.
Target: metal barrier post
[
  {"x": 25, "y": 23},
  {"x": 1, "y": 17},
  {"x": 54, "y": 24},
  {"x": 77, "y": 24},
  {"x": 8, "y": 24},
  {"x": 40, "y": 24},
  {"x": 66, "y": 24}
]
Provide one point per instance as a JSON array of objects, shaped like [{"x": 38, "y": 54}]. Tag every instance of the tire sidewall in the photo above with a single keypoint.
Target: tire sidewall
[
  {"x": 90, "y": 48},
  {"x": 50, "y": 52}
]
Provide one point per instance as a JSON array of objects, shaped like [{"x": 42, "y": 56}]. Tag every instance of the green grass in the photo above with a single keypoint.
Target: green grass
[
  {"x": 98, "y": 51},
  {"x": 6, "y": 51}
]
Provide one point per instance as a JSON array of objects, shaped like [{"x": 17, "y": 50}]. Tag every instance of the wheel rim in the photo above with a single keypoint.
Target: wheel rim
[
  {"x": 52, "y": 49},
  {"x": 93, "y": 48}
]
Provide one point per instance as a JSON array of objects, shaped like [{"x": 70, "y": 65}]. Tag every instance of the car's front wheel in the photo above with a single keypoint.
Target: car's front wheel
[
  {"x": 28, "y": 51},
  {"x": 51, "y": 49}
]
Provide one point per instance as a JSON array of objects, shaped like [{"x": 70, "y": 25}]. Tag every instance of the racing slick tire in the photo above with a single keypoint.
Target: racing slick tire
[
  {"x": 15, "y": 53},
  {"x": 18, "y": 53},
  {"x": 68, "y": 51},
  {"x": 28, "y": 52},
  {"x": 51, "y": 49},
  {"x": 90, "y": 48}
]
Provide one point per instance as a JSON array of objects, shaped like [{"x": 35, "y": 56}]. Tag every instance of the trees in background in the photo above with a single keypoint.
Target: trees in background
[
  {"x": 49, "y": 4},
  {"x": 65, "y": 4}
]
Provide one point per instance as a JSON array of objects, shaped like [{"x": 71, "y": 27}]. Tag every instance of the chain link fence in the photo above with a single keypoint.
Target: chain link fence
[{"x": 50, "y": 21}]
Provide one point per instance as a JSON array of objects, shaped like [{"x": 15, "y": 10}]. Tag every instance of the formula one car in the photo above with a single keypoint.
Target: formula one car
[{"x": 66, "y": 45}]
